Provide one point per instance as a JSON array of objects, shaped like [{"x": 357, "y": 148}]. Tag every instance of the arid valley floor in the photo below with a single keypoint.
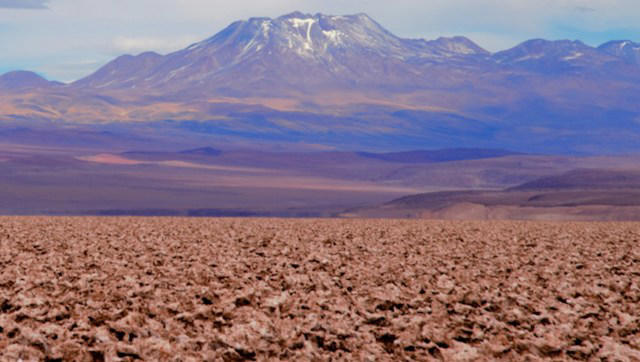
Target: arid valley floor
[{"x": 180, "y": 289}]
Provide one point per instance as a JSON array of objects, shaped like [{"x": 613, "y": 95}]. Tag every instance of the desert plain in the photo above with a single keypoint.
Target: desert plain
[{"x": 180, "y": 289}]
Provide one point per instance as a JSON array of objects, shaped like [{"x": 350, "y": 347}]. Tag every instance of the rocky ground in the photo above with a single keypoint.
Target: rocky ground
[{"x": 262, "y": 289}]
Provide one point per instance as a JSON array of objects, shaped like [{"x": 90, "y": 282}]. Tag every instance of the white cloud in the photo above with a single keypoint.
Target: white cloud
[{"x": 134, "y": 45}]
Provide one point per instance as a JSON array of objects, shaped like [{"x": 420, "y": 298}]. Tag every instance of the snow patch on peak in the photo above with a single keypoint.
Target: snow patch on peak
[
  {"x": 573, "y": 56},
  {"x": 334, "y": 36},
  {"x": 302, "y": 23},
  {"x": 266, "y": 27},
  {"x": 528, "y": 57}
]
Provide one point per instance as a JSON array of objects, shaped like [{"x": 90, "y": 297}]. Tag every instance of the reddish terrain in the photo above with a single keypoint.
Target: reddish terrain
[
  {"x": 36, "y": 180},
  {"x": 243, "y": 289}
]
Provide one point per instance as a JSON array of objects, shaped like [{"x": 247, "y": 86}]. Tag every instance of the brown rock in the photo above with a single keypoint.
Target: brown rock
[{"x": 243, "y": 289}]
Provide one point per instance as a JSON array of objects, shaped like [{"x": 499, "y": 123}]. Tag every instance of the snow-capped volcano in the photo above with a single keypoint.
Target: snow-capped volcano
[
  {"x": 305, "y": 35},
  {"x": 322, "y": 35},
  {"x": 297, "y": 49}
]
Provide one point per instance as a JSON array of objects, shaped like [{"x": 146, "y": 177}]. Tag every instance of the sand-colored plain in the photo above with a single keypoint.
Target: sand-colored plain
[{"x": 176, "y": 289}]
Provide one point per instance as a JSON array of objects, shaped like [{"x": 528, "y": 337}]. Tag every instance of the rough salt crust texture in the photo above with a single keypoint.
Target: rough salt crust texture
[{"x": 248, "y": 289}]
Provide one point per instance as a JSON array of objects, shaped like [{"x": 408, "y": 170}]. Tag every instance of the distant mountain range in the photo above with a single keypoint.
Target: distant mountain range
[{"x": 345, "y": 81}]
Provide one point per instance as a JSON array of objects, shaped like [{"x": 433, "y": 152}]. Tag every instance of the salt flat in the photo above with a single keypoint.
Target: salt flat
[{"x": 277, "y": 289}]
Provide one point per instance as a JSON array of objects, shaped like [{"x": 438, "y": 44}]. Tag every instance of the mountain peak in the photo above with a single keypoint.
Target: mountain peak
[
  {"x": 126, "y": 67},
  {"x": 459, "y": 45},
  {"x": 23, "y": 79},
  {"x": 550, "y": 56},
  {"x": 544, "y": 44},
  {"x": 301, "y": 15},
  {"x": 624, "y": 49},
  {"x": 295, "y": 15},
  {"x": 21, "y": 74},
  {"x": 306, "y": 35}
]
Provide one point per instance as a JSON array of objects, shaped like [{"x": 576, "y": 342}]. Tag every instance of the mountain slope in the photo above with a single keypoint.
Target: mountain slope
[{"x": 124, "y": 71}]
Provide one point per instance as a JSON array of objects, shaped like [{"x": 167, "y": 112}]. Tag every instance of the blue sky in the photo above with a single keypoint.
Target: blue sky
[{"x": 68, "y": 39}]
